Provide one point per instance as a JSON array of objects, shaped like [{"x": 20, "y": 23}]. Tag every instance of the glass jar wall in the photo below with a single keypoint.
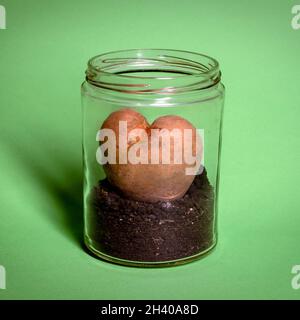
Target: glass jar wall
[{"x": 151, "y": 142}]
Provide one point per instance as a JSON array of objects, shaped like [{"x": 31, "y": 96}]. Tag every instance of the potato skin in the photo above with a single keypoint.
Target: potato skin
[{"x": 149, "y": 182}]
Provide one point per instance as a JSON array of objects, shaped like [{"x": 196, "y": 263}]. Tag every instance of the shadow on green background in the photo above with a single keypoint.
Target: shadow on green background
[{"x": 67, "y": 195}]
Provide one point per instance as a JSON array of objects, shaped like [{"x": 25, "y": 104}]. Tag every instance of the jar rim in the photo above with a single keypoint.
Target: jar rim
[
  {"x": 174, "y": 71},
  {"x": 215, "y": 67}
]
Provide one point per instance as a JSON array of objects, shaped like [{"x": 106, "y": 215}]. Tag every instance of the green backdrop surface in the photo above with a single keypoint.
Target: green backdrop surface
[{"x": 43, "y": 55}]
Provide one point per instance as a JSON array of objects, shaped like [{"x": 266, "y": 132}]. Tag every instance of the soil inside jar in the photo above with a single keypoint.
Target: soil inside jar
[{"x": 153, "y": 232}]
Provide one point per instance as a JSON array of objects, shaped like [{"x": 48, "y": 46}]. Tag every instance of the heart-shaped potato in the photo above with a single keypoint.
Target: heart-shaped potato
[{"x": 154, "y": 178}]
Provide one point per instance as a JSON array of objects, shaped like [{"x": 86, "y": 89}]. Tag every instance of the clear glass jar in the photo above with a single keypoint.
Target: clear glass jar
[{"x": 150, "y": 192}]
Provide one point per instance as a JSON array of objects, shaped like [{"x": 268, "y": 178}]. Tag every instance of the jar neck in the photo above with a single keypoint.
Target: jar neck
[{"x": 149, "y": 72}]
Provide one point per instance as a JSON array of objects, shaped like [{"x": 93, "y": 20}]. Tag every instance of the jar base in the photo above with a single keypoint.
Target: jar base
[{"x": 145, "y": 264}]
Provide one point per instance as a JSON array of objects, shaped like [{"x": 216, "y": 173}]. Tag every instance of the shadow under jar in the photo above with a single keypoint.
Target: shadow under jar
[{"x": 152, "y": 123}]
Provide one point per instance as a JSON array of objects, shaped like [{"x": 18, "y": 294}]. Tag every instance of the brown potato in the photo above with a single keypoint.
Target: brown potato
[{"x": 147, "y": 181}]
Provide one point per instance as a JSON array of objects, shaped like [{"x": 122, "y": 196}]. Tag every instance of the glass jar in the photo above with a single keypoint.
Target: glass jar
[{"x": 152, "y": 123}]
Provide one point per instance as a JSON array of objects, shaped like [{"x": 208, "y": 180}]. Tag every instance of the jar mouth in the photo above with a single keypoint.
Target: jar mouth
[{"x": 153, "y": 71}]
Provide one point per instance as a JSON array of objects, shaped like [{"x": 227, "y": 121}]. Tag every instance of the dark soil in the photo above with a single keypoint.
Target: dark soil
[{"x": 153, "y": 232}]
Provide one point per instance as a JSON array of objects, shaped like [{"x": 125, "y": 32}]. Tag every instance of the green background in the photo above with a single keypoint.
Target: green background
[{"x": 43, "y": 55}]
